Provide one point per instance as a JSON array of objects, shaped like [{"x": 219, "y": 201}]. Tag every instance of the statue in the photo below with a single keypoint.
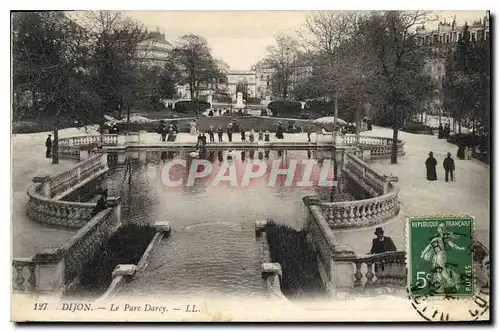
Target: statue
[{"x": 239, "y": 101}]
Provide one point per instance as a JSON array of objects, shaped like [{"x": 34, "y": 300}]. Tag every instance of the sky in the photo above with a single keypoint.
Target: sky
[{"x": 240, "y": 38}]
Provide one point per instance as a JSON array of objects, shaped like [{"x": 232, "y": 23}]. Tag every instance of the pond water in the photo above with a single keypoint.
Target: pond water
[
  {"x": 213, "y": 243},
  {"x": 146, "y": 197}
]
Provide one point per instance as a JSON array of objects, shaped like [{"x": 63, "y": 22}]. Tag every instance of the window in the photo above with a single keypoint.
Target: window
[
  {"x": 447, "y": 39},
  {"x": 440, "y": 39},
  {"x": 473, "y": 37}
]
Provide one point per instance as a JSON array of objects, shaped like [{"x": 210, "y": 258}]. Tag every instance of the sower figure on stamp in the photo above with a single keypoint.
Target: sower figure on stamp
[
  {"x": 449, "y": 167},
  {"x": 435, "y": 253},
  {"x": 48, "y": 146},
  {"x": 380, "y": 245},
  {"x": 430, "y": 165}
]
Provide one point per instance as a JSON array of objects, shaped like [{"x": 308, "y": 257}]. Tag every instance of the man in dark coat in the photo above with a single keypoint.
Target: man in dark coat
[
  {"x": 211, "y": 134},
  {"x": 430, "y": 165},
  {"x": 461, "y": 152},
  {"x": 446, "y": 131},
  {"x": 242, "y": 134},
  {"x": 381, "y": 243},
  {"x": 230, "y": 133},
  {"x": 440, "y": 131},
  {"x": 48, "y": 145},
  {"x": 101, "y": 203},
  {"x": 449, "y": 167},
  {"x": 220, "y": 132}
]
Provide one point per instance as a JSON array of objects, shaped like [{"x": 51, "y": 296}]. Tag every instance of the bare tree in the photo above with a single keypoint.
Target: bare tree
[{"x": 282, "y": 58}]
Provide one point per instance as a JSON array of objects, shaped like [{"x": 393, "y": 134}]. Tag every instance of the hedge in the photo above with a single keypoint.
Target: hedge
[
  {"x": 284, "y": 108},
  {"x": 253, "y": 100},
  {"x": 291, "y": 249},
  {"x": 191, "y": 105},
  {"x": 418, "y": 128}
]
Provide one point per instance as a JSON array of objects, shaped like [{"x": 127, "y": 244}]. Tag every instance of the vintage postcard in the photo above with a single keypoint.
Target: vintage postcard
[{"x": 251, "y": 166}]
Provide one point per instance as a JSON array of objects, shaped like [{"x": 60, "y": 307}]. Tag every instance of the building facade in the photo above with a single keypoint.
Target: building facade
[
  {"x": 153, "y": 51},
  {"x": 439, "y": 43}
]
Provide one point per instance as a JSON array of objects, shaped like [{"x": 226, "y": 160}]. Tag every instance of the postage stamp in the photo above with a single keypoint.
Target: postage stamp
[{"x": 440, "y": 256}]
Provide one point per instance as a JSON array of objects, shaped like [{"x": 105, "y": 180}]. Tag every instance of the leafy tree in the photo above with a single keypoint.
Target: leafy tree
[
  {"x": 49, "y": 53},
  {"x": 399, "y": 82}
]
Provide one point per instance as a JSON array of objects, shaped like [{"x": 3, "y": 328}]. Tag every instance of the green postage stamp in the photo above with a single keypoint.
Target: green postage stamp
[{"x": 440, "y": 256}]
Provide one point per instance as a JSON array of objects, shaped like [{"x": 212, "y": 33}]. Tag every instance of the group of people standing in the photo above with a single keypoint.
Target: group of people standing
[
  {"x": 444, "y": 132},
  {"x": 167, "y": 133},
  {"x": 448, "y": 165}
]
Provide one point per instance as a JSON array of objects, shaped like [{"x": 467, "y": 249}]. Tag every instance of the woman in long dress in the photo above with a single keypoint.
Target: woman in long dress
[{"x": 193, "y": 131}]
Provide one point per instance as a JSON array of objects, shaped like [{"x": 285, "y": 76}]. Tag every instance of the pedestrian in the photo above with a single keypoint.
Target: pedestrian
[
  {"x": 251, "y": 136},
  {"x": 461, "y": 152},
  {"x": 469, "y": 152},
  {"x": 242, "y": 134},
  {"x": 266, "y": 136},
  {"x": 211, "y": 134},
  {"x": 430, "y": 165},
  {"x": 48, "y": 146},
  {"x": 198, "y": 141},
  {"x": 101, "y": 203},
  {"x": 446, "y": 131},
  {"x": 449, "y": 167},
  {"x": 220, "y": 132},
  {"x": 440, "y": 131},
  {"x": 229, "y": 134},
  {"x": 164, "y": 133},
  {"x": 220, "y": 112},
  {"x": 203, "y": 140},
  {"x": 309, "y": 132},
  {"x": 381, "y": 243}
]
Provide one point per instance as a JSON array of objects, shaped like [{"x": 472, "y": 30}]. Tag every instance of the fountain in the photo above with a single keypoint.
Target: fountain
[{"x": 239, "y": 101}]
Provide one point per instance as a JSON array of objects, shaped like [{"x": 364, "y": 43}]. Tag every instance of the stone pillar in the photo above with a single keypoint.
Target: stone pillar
[
  {"x": 260, "y": 226},
  {"x": 143, "y": 155},
  {"x": 45, "y": 181},
  {"x": 343, "y": 268},
  {"x": 104, "y": 159},
  {"x": 116, "y": 203},
  {"x": 143, "y": 134},
  {"x": 122, "y": 139},
  {"x": 338, "y": 169},
  {"x": 121, "y": 158},
  {"x": 84, "y": 153},
  {"x": 50, "y": 271},
  {"x": 338, "y": 140},
  {"x": 163, "y": 227},
  {"x": 367, "y": 155},
  {"x": 124, "y": 270}
]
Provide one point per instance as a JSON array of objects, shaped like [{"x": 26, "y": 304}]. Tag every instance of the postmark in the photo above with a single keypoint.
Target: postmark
[{"x": 440, "y": 256}]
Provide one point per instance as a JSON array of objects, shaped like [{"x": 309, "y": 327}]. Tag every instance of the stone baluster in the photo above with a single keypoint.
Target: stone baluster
[
  {"x": 358, "y": 275},
  {"x": 19, "y": 280},
  {"x": 369, "y": 273},
  {"x": 352, "y": 220}
]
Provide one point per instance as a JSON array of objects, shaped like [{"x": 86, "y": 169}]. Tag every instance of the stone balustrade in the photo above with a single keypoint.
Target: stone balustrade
[
  {"x": 365, "y": 173},
  {"x": 107, "y": 139},
  {"x": 24, "y": 275},
  {"x": 362, "y": 213},
  {"x": 81, "y": 171},
  {"x": 56, "y": 270},
  {"x": 46, "y": 204},
  {"x": 386, "y": 269}
]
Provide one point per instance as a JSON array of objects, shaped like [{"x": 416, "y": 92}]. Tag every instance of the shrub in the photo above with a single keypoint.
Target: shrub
[
  {"x": 284, "y": 108},
  {"x": 253, "y": 100},
  {"x": 290, "y": 248},
  {"x": 126, "y": 246},
  {"x": 417, "y": 128},
  {"x": 191, "y": 105}
]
